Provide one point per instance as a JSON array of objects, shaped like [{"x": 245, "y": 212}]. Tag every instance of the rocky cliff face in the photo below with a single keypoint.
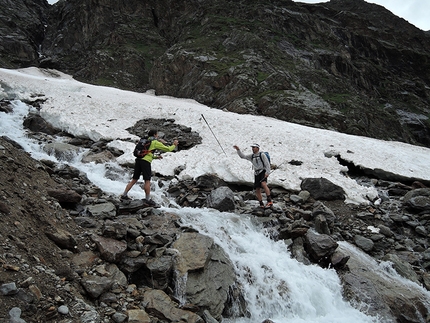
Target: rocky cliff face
[{"x": 344, "y": 65}]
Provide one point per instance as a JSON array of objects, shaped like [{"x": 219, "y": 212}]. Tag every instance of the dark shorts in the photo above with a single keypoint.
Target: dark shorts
[
  {"x": 260, "y": 178},
  {"x": 142, "y": 167}
]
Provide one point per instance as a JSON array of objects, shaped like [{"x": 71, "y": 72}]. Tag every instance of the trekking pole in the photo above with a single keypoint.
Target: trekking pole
[{"x": 213, "y": 134}]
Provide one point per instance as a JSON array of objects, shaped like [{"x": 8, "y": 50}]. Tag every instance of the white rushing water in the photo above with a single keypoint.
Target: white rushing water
[{"x": 276, "y": 286}]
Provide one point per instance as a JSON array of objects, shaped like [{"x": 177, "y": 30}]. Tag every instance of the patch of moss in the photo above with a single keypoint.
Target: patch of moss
[
  {"x": 105, "y": 82},
  {"x": 336, "y": 97},
  {"x": 261, "y": 76}
]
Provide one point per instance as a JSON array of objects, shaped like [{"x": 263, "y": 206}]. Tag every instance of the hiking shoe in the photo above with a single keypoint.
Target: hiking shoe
[
  {"x": 149, "y": 202},
  {"x": 124, "y": 198},
  {"x": 269, "y": 205}
]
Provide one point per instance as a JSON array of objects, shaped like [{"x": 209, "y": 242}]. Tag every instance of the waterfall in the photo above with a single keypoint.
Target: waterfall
[{"x": 276, "y": 286}]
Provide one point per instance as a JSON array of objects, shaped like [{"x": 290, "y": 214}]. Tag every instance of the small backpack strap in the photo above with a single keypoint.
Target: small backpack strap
[{"x": 262, "y": 159}]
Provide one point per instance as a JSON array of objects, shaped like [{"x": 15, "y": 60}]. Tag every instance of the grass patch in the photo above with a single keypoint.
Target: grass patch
[{"x": 336, "y": 97}]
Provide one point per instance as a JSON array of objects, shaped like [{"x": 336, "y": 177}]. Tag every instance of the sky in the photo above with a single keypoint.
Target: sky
[
  {"x": 105, "y": 113},
  {"x": 414, "y": 11}
]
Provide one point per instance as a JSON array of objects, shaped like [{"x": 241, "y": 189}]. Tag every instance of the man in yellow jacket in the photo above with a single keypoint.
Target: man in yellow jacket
[{"x": 142, "y": 166}]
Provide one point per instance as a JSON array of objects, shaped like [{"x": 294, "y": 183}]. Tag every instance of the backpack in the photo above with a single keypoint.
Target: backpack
[
  {"x": 142, "y": 148},
  {"x": 268, "y": 157}
]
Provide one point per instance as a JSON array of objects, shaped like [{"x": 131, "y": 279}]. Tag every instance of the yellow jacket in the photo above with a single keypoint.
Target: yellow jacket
[{"x": 156, "y": 145}]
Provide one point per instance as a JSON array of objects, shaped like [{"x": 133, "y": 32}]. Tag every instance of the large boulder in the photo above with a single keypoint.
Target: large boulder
[
  {"x": 319, "y": 246},
  {"x": 205, "y": 273},
  {"x": 418, "y": 199},
  {"x": 385, "y": 294},
  {"x": 62, "y": 151},
  {"x": 161, "y": 306},
  {"x": 323, "y": 189},
  {"x": 221, "y": 199}
]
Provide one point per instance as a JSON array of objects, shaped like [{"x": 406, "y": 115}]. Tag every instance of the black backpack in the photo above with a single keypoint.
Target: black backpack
[{"x": 142, "y": 148}]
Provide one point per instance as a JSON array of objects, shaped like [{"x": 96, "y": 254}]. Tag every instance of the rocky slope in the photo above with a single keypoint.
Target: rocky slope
[
  {"x": 345, "y": 65},
  {"x": 72, "y": 253}
]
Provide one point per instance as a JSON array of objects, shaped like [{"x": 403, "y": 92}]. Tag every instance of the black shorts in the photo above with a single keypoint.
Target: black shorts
[
  {"x": 142, "y": 167},
  {"x": 258, "y": 179}
]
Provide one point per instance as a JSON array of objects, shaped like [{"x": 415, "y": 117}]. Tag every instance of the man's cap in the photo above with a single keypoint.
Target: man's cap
[{"x": 255, "y": 145}]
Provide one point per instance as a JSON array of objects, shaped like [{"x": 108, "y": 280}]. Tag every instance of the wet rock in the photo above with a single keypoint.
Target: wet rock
[
  {"x": 391, "y": 300},
  {"x": 221, "y": 199},
  {"x": 208, "y": 269},
  {"x": 339, "y": 259},
  {"x": 319, "y": 246},
  {"x": 298, "y": 251},
  {"x": 403, "y": 268},
  {"x": 98, "y": 158},
  {"x": 36, "y": 123},
  {"x": 155, "y": 272},
  {"x": 62, "y": 151}
]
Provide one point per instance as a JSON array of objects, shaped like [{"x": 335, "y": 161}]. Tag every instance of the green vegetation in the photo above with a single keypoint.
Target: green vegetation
[
  {"x": 336, "y": 97},
  {"x": 261, "y": 76},
  {"x": 105, "y": 82}
]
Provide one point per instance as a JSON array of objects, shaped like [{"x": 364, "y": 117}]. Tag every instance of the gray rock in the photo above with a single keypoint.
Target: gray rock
[
  {"x": 209, "y": 271},
  {"x": 96, "y": 285},
  {"x": 63, "y": 309},
  {"x": 364, "y": 243},
  {"x": 98, "y": 158},
  {"x": 403, "y": 268},
  {"x": 386, "y": 231},
  {"x": 8, "y": 289},
  {"x": 421, "y": 230},
  {"x": 418, "y": 199},
  {"x": 221, "y": 199},
  {"x": 62, "y": 151},
  {"x": 15, "y": 315},
  {"x": 159, "y": 304},
  {"x": 140, "y": 316},
  {"x": 319, "y": 246},
  {"x": 110, "y": 249},
  {"x": 383, "y": 296},
  {"x": 103, "y": 210},
  {"x": 305, "y": 195},
  {"x": 322, "y": 189},
  {"x": 119, "y": 317}
]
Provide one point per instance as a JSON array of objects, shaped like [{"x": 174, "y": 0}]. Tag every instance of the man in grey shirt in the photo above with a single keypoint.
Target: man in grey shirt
[{"x": 261, "y": 171}]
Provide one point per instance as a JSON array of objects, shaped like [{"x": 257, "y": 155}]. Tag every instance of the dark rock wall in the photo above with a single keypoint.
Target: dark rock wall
[{"x": 344, "y": 65}]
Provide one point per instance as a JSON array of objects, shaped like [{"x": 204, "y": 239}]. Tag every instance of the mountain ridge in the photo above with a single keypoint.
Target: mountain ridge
[{"x": 343, "y": 65}]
